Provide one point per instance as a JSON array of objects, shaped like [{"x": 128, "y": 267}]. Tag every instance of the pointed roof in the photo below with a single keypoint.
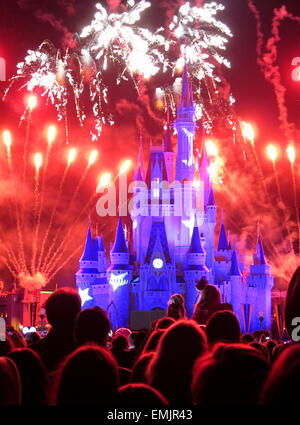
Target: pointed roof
[
  {"x": 211, "y": 198},
  {"x": 259, "y": 249},
  {"x": 90, "y": 249},
  {"x": 158, "y": 233},
  {"x": 196, "y": 245},
  {"x": 186, "y": 92},
  {"x": 223, "y": 244},
  {"x": 168, "y": 143},
  {"x": 120, "y": 245},
  {"x": 234, "y": 269},
  {"x": 229, "y": 243},
  {"x": 101, "y": 244}
]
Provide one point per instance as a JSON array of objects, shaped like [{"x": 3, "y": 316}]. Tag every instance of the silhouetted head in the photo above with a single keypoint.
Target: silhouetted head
[
  {"x": 210, "y": 296},
  {"x": 33, "y": 376},
  {"x": 140, "y": 367},
  {"x": 283, "y": 383},
  {"x": 31, "y": 337},
  {"x": 292, "y": 305},
  {"x": 171, "y": 367},
  {"x": 262, "y": 348},
  {"x": 223, "y": 326},
  {"x": 92, "y": 325},
  {"x": 10, "y": 385},
  {"x": 119, "y": 342},
  {"x": 247, "y": 338},
  {"x": 270, "y": 346},
  {"x": 164, "y": 323},
  {"x": 6, "y": 346},
  {"x": 176, "y": 308},
  {"x": 201, "y": 284},
  {"x": 230, "y": 374},
  {"x": 62, "y": 308},
  {"x": 88, "y": 376},
  {"x": 140, "y": 395},
  {"x": 154, "y": 338}
]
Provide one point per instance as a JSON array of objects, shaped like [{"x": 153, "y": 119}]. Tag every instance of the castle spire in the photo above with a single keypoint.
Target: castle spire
[
  {"x": 101, "y": 244},
  {"x": 139, "y": 175},
  {"x": 211, "y": 199},
  {"x": 196, "y": 245},
  {"x": 120, "y": 242},
  {"x": 186, "y": 96},
  {"x": 168, "y": 143},
  {"x": 88, "y": 249},
  {"x": 259, "y": 248},
  {"x": 234, "y": 269},
  {"x": 223, "y": 244}
]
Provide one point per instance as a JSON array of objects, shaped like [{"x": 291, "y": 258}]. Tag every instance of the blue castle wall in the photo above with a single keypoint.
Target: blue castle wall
[{"x": 171, "y": 252}]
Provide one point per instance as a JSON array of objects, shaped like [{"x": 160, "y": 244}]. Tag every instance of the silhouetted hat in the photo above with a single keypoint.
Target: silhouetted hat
[{"x": 201, "y": 283}]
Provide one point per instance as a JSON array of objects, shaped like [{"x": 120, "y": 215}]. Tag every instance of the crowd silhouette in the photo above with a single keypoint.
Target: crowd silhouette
[{"x": 204, "y": 360}]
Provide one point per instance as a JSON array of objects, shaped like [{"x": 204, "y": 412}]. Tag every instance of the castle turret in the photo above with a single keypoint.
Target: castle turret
[
  {"x": 259, "y": 287},
  {"x": 203, "y": 170},
  {"x": 88, "y": 267},
  {"x": 169, "y": 152},
  {"x": 238, "y": 294},
  {"x": 185, "y": 125},
  {"x": 211, "y": 209},
  {"x": 195, "y": 269},
  {"x": 119, "y": 275}
]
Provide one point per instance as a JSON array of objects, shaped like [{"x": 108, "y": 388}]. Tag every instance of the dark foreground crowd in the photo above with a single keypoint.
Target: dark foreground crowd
[{"x": 177, "y": 361}]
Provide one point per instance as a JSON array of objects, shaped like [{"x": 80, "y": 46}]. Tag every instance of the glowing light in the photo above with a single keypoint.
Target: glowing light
[
  {"x": 51, "y": 133},
  {"x": 272, "y": 152},
  {"x": 247, "y": 131},
  {"x": 31, "y": 102},
  {"x": 93, "y": 157},
  {"x": 38, "y": 160},
  {"x": 291, "y": 153},
  {"x": 118, "y": 280},
  {"x": 84, "y": 295},
  {"x": 104, "y": 180},
  {"x": 213, "y": 170},
  {"x": 125, "y": 166},
  {"x": 211, "y": 148},
  {"x": 7, "y": 139},
  {"x": 71, "y": 155},
  {"x": 158, "y": 263},
  {"x": 196, "y": 183}
]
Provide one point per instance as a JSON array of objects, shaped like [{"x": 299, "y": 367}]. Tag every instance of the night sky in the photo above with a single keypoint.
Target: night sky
[{"x": 25, "y": 24}]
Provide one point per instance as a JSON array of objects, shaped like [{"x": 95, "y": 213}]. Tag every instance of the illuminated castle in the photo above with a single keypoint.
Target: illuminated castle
[{"x": 170, "y": 251}]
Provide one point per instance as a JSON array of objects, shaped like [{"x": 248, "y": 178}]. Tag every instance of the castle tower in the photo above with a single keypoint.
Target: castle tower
[
  {"x": 169, "y": 153},
  {"x": 88, "y": 269},
  {"x": 195, "y": 269},
  {"x": 119, "y": 276},
  {"x": 203, "y": 170},
  {"x": 185, "y": 125},
  {"x": 259, "y": 287},
  {"x": 238, "y": 294},
  {"x": 211, "y": 211}
]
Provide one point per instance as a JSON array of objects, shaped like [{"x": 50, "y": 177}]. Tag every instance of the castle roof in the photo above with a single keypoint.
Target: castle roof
[
  {"x": 196, "y": 245},
  {"x": 223, "y": 244},
  {"x": 211, "y": 199},
  {"x": 156, "y": 166},
  {"x": 101, "y": 244},
  {"x": 260, "y": 251},
  {"x": 158, "y": 231},
  {"x": 90, "y": 250},
  {"x": 120, "y": 245},
  {"x": 186, "y": 90},
  {"x": 234, "y": 269}
]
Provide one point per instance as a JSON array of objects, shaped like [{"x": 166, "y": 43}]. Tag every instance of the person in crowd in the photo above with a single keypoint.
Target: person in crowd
[
  {"x": 247, "y": 338},
  {"x": 92, "y": 325},
  {"x": 10, "y": 385},
  {"x": 88, "y": 376},
  {"x": 283, "y": 383},
  {"x": 140, "y": 395},
  {"x": 32, "y": 337},
  {"x": 153, "y": 341},
  {"x": 209, "y": 302},
  {"x": 170, "y": 370},
  {"x": 140, "y": 367},
  {"x": 262, "y": 348},
  {"x": 223, "y": 326},
  {"x": 6, "y": 346},
  {"x": 292, "y": 304},
  {"x": 120, "y": 350},
  {"x": 164, "y": 323},
  {"x": 270, "y": 345},
  {"x": 229, "y": 374},
  {"x": 33, "y": 376},
  {"x": 62, "y": 307},
  {"x": 176, "y": 307}
]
